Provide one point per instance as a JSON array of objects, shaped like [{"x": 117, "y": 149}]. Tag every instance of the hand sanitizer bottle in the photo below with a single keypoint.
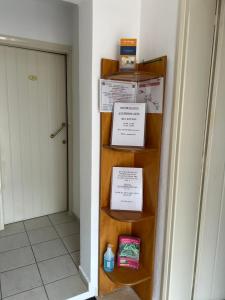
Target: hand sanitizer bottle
[{"x": 109, "y": 258}]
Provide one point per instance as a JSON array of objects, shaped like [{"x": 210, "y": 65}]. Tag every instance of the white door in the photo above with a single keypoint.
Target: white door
[
  {"x": 210, "y": 275},
  {"x": 32, "y": 107}
]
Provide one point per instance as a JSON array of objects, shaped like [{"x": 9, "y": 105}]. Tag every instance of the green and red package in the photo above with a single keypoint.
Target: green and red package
[{"x": 129, "y": 252}]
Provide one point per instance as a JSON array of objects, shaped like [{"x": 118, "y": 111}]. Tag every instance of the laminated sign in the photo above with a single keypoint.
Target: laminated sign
[
  {"x": 149, "y": 91},
  {"x": 127, "y": 189},
  {"x": 128, "y": 124}
]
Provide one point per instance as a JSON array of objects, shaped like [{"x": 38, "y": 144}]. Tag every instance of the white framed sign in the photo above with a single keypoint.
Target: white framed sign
[
  {"x": 128, "y": 127},
  {"x": 127, "y": 189}
]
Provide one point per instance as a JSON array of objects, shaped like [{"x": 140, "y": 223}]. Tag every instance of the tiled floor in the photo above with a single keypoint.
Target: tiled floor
[{"x": 39, "y": 259}]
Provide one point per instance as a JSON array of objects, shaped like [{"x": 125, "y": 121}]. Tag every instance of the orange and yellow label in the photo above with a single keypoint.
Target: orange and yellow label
[{"x": 128, "y": 42}]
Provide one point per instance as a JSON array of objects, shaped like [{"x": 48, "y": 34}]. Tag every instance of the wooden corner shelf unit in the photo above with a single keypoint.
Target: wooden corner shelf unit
[{"x": 115, "y": 223}]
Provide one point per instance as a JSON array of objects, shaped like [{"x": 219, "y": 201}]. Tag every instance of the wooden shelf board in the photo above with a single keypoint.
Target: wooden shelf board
[
  {"x": 133, "y": 76},
  {"x": 127, "y": 216},
  {"x": 130, "y": 149},
  {"x": 128, "y": 277}
]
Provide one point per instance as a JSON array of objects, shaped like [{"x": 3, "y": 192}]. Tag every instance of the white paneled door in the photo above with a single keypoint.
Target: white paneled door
[
  {"x": 210, "y": 275},
  {"x": 32, "y": 108}
]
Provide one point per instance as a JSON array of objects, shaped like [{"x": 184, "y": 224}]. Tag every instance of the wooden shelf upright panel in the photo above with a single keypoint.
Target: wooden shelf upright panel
[{"x": 143, "y": 225}]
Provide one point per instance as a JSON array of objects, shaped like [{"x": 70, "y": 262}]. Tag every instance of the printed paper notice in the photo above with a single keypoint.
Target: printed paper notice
[
  {"x": 128, "y": 124},
  {"x": 127, "y": 189},
  {"x": 112, "y": 91},
  {"x": 149, "y": 91}
]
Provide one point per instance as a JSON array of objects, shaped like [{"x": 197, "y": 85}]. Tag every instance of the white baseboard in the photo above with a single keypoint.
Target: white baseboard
[
  {"x": 84, "y": 277},
  {"x": 90, "y": 293},
  {"x": 83, "y": 296}
]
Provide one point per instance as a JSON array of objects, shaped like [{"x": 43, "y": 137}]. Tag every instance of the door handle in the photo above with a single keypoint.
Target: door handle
[{"x": 53, "y": 135}]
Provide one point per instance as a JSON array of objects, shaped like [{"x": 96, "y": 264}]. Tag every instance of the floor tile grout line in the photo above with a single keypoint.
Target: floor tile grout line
[
  {"x": 63, "y": 223},
  {"x": 39, "y": 271},
  {"x": 41, "y": 286},
  {"x": 8, "y": 235},
  {"x": 70, "y": 253},
  {"x": 66, "y": 248},
  {"x": 39, "y": 228},
  {"x": 25, "y": 231},
  {"x": 70, "y": 235},
  {"x": 15, "y": 249},
  {"x": 54, "y": 225},
  {"x": 77, "y": 274},
  {"x": 46, "y": 241},
  {"x": 65, "y": 254},
  {"x": 34, "y": 263},
  {"x": 59, "y": 237},
  {"x": 65, "y": 235},
  {"x": 18, "y": 268},
  {"x": 75, "y": 220},
  {"x": 28, "y": 238},
  {"x": 23, "y": 292},
  {"x": 36, "y": 227},
  {"x": 61, "y": 212}
]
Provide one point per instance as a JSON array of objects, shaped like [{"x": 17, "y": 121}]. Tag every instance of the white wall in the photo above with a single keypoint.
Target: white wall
[
  {"x": 46, "y": 20},
  {"x": 154, "y": 24},
  {"x": 111, "y": 22},
  {"x": 75, "y": 180},
  {"x": 101, "y": 25},
  {"x": 109, "y": 25},
  {"x": 85, "y": 109},
  {"x": 158, "y": 31}
]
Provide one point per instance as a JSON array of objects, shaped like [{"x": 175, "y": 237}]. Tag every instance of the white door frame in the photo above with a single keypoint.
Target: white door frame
[
  {"x": 210, "y": 217},
  {"x": 186, "y": 167},
  {"x": 6, "y": 40}
]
